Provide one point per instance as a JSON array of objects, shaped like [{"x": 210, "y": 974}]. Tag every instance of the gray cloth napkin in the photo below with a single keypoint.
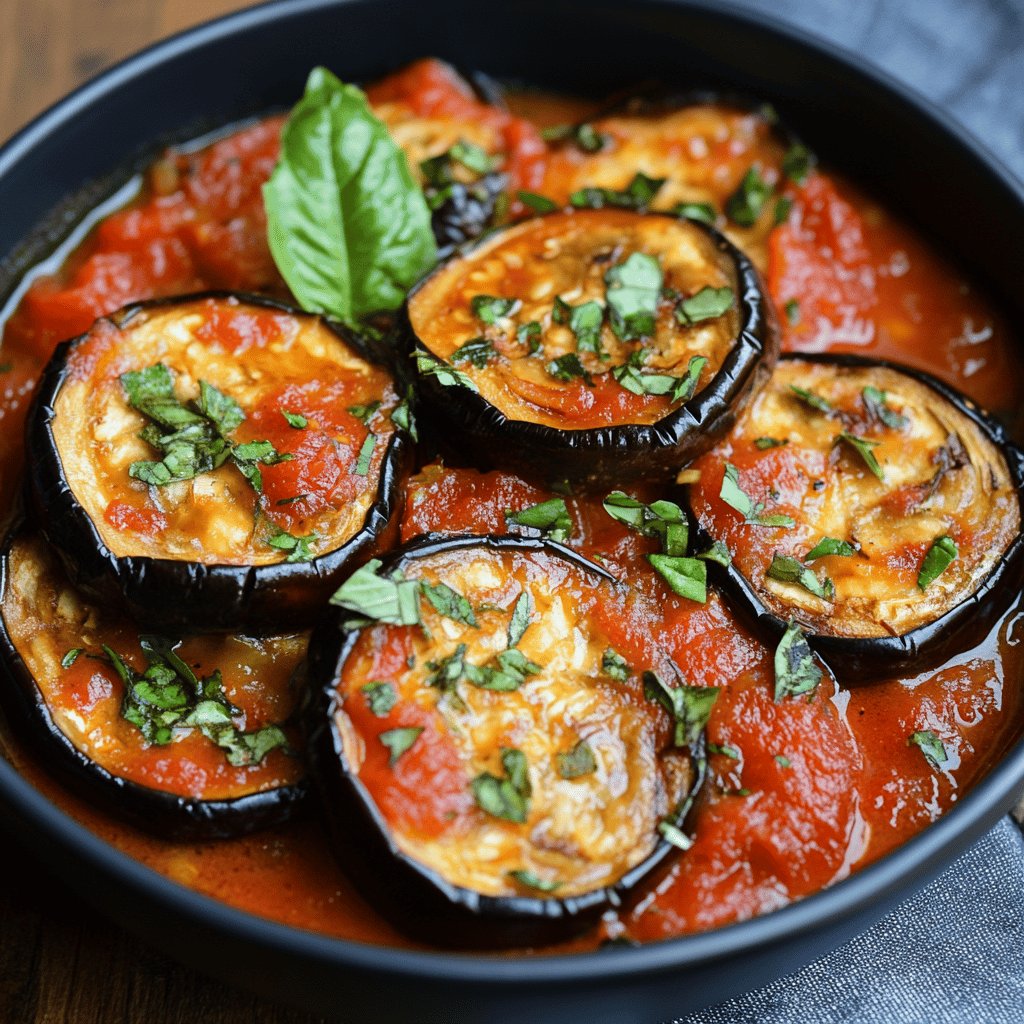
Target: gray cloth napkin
[{"x": 953, "y": 954}]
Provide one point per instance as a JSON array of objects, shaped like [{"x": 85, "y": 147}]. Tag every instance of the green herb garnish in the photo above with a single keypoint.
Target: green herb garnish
[
  {"x": 662, "y": 519},
  {"x": 938, "y": 558},
  {"x": 539, "y": 203},
  {"x": 520, "y": 621},
  {"x": 787, "y": 569},
  {"x": 362, "y": 465},
  {"x": 812, "y": 399},
  {"x": 614, "y": 665},
  {"x": 707, "y": 304},
  {"x": 391, "y": 599},
  {"x": 876, "y": 403},
  {"x": 689, "y": 706},
  {"x": 577, "y": 762},
  {"x": 703, "y": 212},
  {"x": 753, "y": 513},
  {"x": 633, "y": 290},
  {"x": 744, "y": 206},
  {"x": 637, "y": 195},
  {"x": 931, "y": 746},
  {"x": 550, "y": 517},
  {"x": 398, "y": 741},
  {"x": 489, "y": 309},
  {"x": 430, "y": 366},
  {"x": 686, "y": 577},
  {"x": 448, "y": 602},
  {"x": 507, "y": 798},
  {"x": 863, "y": 447},
  {"x": 830, "y": 546},
  {"x": 380, "y": 697},
  {"x": 529, "y": 880},
  {"x": 295, "y": 419},
  {"x": 795, "y": 669},
  {"x": 477, "y": 351}
]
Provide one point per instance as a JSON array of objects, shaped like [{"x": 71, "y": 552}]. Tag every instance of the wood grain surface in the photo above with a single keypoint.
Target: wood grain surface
[{"x": 59, "y": 962}]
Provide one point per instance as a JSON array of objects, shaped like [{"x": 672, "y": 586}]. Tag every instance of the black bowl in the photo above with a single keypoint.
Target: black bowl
[{"x": 858, "y": 120}]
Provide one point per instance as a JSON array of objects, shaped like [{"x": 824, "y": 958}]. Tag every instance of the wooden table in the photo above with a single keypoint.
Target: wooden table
[{"x": 59, "y": 962}]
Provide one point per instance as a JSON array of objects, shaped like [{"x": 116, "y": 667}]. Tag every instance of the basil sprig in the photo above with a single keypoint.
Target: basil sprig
[{"x": 796, "y": 671}]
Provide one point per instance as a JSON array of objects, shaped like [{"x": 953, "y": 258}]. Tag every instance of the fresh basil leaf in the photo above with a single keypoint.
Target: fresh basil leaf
[
  {"x": 364, "y": 413},
  {"x": 797, "y": 163},
  {"x": 529, "y": 334},
  {"x": 744, "y": 206},
  {"x": 577, "y": 762},
  {"x": 521, "y": 612},
  {"x": 539, "y": 203},
  {"x": 398, "y": 741},
  {"x": 489, "y": 309},
  {"x": 764, "y": 443},
  {"x": 679, "y": 389},
  {"x": 347, "y": 225},
  {"x": 703, "y": 212},
  {"x": 70, "y": 657},
  {"x": 830, "y": 546},
  {"x": 393, "y": 600},
  {"x": 931, "y": 746},
  {"x": 876, "y": 403},
  {"x": 614, "y": 665},
  {"x": 687, "y": 577},
  {"x": 564, "y": 368},
  {"x": 637, "y": 195},
  {"x": 707, "y": 304},
  {"x": 403, "y": 418},
  {"x": 507, "y": 798},
  {"x": 224, "y": 412},
  {"x": 718, "y": 552},
  {"x": 689, "y": 706},
  {"x": 508, "y": 672},
  {"x": 585, "y": 323},
  {"x": 430, "y": 366},
  {"x": 783, "y": 206},
  {"x": 796, "y": 672},
  {"x": 792, "y": 308},
  {"x": 787, "y": 569},
  {"x": 529, "y": 880},
  {"x": 362, "y": 464},
  {"x": 474, "y": 157},
  {"x": 295, "y": 419},
  {"x": 584, "y": 135},
  {"x": 812, "y": 399},
  {"x": 938, "y": 558},
  {"x": 731, "y": 752},
  {"x": 300, "y": 549},
  {"x": 734, "y": 496},
  {"x": 380, "y": 698},
  {"x": 550, "y": 517},
  {"x": 783, "y": 761},
  {"x": 446, "y": 673},
  {"x": 863, "y": 447},
  {"x": 661, "y": 519},
  {"x": 633, "y": 290},
  {"x": 448, "y": 602}
]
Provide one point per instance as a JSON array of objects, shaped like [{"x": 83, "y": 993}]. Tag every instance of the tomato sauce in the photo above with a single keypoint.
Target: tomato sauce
[{"x": 800, "y": 792}]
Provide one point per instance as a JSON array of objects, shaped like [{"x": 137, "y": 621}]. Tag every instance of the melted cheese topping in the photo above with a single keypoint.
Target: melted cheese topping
[
  {"x": 942, "y": 477},
  {"x": 268, "y": 362},
  {"x": 45, "y": 618},
  {"x": 701, "y": 151},
  {"x": 581, "y": 833},
  {"x": 567, "y": 255}
]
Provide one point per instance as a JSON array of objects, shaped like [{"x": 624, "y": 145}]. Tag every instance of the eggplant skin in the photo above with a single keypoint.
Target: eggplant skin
[
  {"x": 173, "y": 596},
  {"x": 866, "y": 659},
  {"x": 415, "y": 898},
  {"x": 599, "y": 458},
  {"x": 158, "y": 813}
]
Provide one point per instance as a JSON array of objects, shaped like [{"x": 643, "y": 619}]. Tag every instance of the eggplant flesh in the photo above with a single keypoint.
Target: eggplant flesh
[
  {"x": 249, "y": 550},
  {"x": 911, "y": 496},
  {"x": 510, "y": 371},
  {"x": 591, "y": 771},
  {"x": 69, "y": 707}
]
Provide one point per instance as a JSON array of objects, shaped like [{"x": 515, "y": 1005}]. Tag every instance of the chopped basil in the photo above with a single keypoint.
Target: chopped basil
[
  {"x": 70, "y": 657},
  {"x": 930, "y": 745},
  {"x": 508, "y": 673},
  {"x": 689, "y": 706},
  {"x": 348, "y": 225},
  {"x": 797, "y": 163},
  {"x": 830, "y": 546},
  {"x": 585, "y": 322},
  {"x": 812, "y": 399},
  {"x": 863, "y": 447},
  {"x": 393, "y": 599},
  {"x": 787, "y": 569},
  {"x": 792, "y": 308},
  {"x": 673, "y": 834},
  {"x": 614, "y": 665},
  {"x": 637, "y": 195},
  {"x": 795, "y": 669},
  {"x": 744, "y": 206},
  {"x": 362, "y": 466},
  {"x": 446, "y": 673},
  {"x": 679, "y": 389},
  {"x": 783, "y": 761},
  {"x": 577, "y": 762},
  {"x": 529, "y": 335},
  {"x": 687, "y": 577},
  {"x": 380, "y": 698},
  {"x": 662, "y": 519},
  {"x": 585, "y": 136},
  {"x": 295, "y": 419},
  {"x": 477, "y": 351},
  {"x": 520, "y": 621},
  {"x": 939, "y": 557},
  {"x": 566, "y": 367},
  {"x": 507, "y": 798},
  {"x": 726, "y": 751},
  {"x": 402, "y": 417},
  {"x": 537, "y": 202},
  {"x": 300, "y": 549},
  {"x": 364, "y": 413},
  {"x": 707, "y": 304},
  {"x": 470, "y": 155},
  {"x": 783, "y": 205},
  {"x": 529, "y": 880},
  {"x": 633, "y": 290},
  {"x": 764, "y": 443},
  {"x": 430, "y": 366},
  {"x": 877, "y": 404},
  {"x": 490, "y": 308},
  {"x": 734, "y": 496},
  {"x": 398, "y": 741},
  {"x": 550, "y": 517},
  {"x": 718, "y": 552},
  {"x": 448, "y": 602},
  {"x": 704, "y": 212}
]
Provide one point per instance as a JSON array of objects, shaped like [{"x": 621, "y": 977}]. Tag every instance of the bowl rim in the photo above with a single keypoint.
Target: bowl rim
[{"x": 905, "y": 867}]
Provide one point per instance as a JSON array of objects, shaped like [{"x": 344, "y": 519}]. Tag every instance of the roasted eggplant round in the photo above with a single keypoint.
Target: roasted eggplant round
[
  {"x": 184, "y": 740},
  {"x": 872, "y": 504},
  {"x": 493, "y": 771},
  {"x": 229, "y": 451},
  {"x": 593, "y": 347}
]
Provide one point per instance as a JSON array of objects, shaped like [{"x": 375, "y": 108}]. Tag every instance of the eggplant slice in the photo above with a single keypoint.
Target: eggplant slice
[
  {"x": 491, "y": 778},
  {"x": 594, "y": 347},
  {"x": 872, "y": 504},
  {"x": 219, "y": 461},
  {"x": 182, "y": 752}
]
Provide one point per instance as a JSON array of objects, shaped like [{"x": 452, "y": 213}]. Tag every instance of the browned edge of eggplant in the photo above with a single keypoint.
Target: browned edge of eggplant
[
  {"x": 171, "y": 595},
  {"x": 601, "y": 457},
  {"x": 417, "y": 899},
  {"x": 159, "y": 813},
  {"x": 866, "y": 659}
]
